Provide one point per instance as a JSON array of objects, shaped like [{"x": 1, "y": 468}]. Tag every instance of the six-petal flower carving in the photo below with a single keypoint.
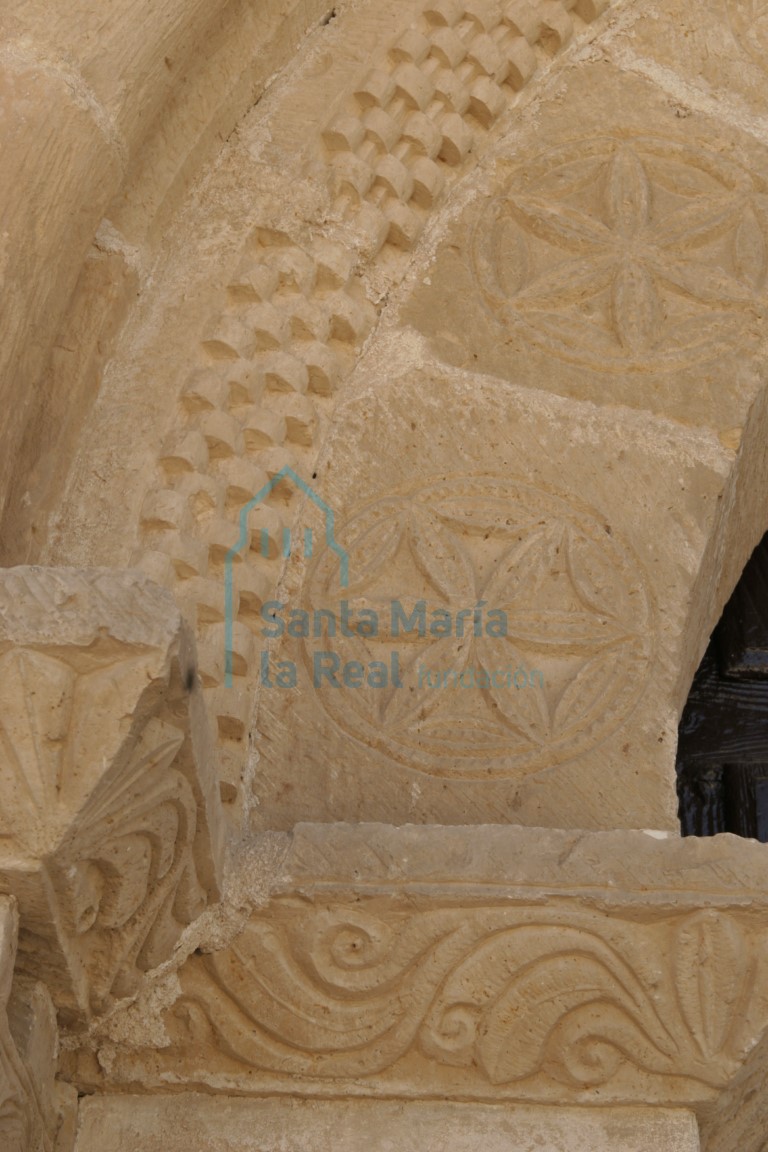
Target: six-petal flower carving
[
  {"x": 636, "y": 254},
  {"x": 575, "y": 607}
]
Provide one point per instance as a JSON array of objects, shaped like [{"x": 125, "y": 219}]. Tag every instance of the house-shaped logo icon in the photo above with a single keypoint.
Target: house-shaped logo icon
[{"x": 243, "y": 541}]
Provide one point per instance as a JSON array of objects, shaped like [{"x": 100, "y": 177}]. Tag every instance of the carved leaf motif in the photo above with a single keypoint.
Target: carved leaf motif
[
  {"x": 557, "y": 328},
  {"x": 636, "y": 307},
  {"x": 711, "y": 972},
  {"x": 503, "y": 992},
  {"x": 371, "y": 553},
  {"x": 513, "y": 1041},
  {"x": 125, "y": 797},
  {"x": 33, "y": 730},
  {"x": 520, "y": 572},
  {"x": 501, "y": 522},
  {"x": 22, "y": 1127},
  {"x": 507, "y": 256},
  {"x": 680, "y": 176},
  {"x": 14, "y": 1122},
  {"x": 628, "y": 192},
  {"x": 404, "y": 707},
  {"x": 561, "y": 225},
  {"x": 291, "y": 1000},
  {"x": 599, "y": 583},
  {"x": 617, "y": 248},
  {"x": 151, "y": 950},
  {"x": 121, "y": 874},
  {"x": 553, "y": 629},
  {"x": 590, "y": 691},
  {"x": 441, "y": 558},
  {"x": 525, "y": 709},
  {"x": 567, "y": 179},
  {"x": 563, "y": 585},
  {"x": 749, "y": 249},
  {"x": 698, "y": 223},
  {"x": 87, "y": 883},
  {"x": 758, "y": 201},
  {"x": 709, "y": 285},
  {"x": 567, "y": 283},
  {"x": 312, "y": 1033},
  {"x": 366, "y": 701},
  {"x": 127, "y": 863},
  {"x": 554, "y": 999}
]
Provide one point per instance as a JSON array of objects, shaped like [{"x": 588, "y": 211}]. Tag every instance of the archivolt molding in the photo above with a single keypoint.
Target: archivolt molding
[
  {"x": 296, "y": 313},
  {"x": 295, "y": 319},
  {"x": 477, "y": 979},
  {"x": 102, "y": 120},
  {"x": 659, "y": 237},
  {"x": 110, "y": 836},
  {"x": 418, "y": 115}
]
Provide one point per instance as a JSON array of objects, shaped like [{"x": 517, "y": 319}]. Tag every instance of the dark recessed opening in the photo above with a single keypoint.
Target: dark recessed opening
[{"x": 722, "y": 751}]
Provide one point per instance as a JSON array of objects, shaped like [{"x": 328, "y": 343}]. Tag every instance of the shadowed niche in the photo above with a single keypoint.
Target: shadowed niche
[{"x": 722, "y": 753}]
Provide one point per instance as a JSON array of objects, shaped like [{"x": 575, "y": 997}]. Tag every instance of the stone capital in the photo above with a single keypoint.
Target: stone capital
[{"x": 110, "y": 834}]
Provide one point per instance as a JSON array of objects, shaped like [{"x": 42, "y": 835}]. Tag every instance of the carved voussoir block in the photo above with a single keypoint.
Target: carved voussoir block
[{"x": 110, "y": 832}]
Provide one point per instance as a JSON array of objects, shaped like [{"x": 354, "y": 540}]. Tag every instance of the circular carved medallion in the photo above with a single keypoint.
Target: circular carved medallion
[
  {"x": 633, "y": 253},
  {"x": 519, "y": 626}
]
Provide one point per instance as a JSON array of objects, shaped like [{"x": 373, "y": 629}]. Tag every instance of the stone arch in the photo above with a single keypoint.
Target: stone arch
[
  {"x": 107, "y": 124},
  {"x": 295, "y": 298},
  {"x": 600, "y": 480}
]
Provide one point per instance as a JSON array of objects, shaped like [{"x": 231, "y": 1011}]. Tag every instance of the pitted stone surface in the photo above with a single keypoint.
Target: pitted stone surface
[
  {"x": 167, "y": 1124},
  {"x": 491, "y": 278}
]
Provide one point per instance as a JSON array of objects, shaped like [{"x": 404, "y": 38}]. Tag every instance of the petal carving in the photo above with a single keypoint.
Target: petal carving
[
  {"x": 560, "y": 225},
  {"x": 441, "y": 558},
  {"x": 711, "y": 971},
  {"x": 749, "y": 249},
  {"x": 628, "y": 192},
  {"x": 636, "y": 307}
]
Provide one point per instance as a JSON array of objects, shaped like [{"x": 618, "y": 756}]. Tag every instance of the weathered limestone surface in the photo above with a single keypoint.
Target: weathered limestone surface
[
  {"x": 489, "y": 964},
  {"x": 717, "y": 52},
  {"x": 547, "y": 380},
  {"x": 169, "y": 1124},
  {"x": 612, "y": 252},
  {"x": 578, "y": 725},
  {"x": 103, "y": 113},
  {"x": 492, "y": 278},
  {"x": 612, "y": 269},
  {"x": 311, "y": 221},
  {"x": 110, "y": 837},
  {"x": 36, "y": 1114}
]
